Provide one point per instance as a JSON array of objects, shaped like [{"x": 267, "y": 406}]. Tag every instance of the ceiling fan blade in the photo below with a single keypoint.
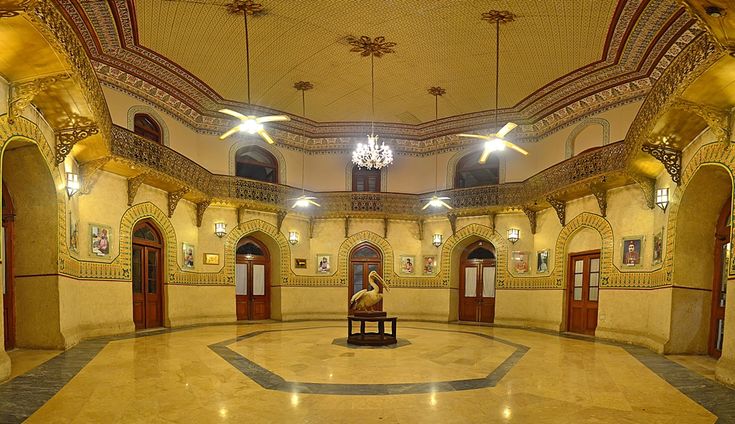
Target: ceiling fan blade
[
  {"x": 266, "y": 137},
  {"x": 443, "y": 198},
  {"x": 506, "y": 129},
  {"x": 314, "y": 203},
  {"x": 484, "y": 137},
  {"x": 237, "y": 115},
  {"x": 445, "y": 204},
  {"x": 485, "y": 155},
  {"x": 426, "y": 205},
  {"x": 233, "y": 130},
  {"x": 273, "y": 118},
  {"x": 514, "y": 147}
]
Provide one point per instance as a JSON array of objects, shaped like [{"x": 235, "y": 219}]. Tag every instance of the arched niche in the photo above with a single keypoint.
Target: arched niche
[
  {"x": 147, "y": 110},
  {"x": 257, "y": 141},
  {"x": 570, "y": 148}
]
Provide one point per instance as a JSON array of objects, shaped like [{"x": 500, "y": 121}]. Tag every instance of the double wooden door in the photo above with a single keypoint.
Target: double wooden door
[
  {"x": 252, "y": 282},
  {"x": 477, "y": 283},
  {"x": 147, "y": 276},
  {"x": 364, "y": 259},
  {"x": 584, "y": 290},
  {"x": 719, "y": 283},
  {"x": 6, "y": 257}
]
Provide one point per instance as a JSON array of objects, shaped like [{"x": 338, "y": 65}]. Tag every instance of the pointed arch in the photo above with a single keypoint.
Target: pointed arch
[
  {"x": 458, "y": 241},
  {"x": 257, "y": 141},
  {"x": 147, "y": 110},
  {"x": 267, "y": 229},
  {"x": 584, "y": 220},
  {"x": 136, "y": 214},
  {"x": 451, "y": 170},
  {"x": 343, "y": 255},
  {"x": 572, "y": 138}
]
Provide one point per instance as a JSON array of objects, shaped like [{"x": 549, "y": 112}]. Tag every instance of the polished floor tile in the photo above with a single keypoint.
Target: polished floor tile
[
  {"x": 701, "y": 364},
  {"x": 181, "y": 377},
  {"x": 24, "y": 360}
]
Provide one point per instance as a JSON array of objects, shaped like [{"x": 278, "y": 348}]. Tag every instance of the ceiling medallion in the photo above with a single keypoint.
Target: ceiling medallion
[
  {"x": 499, "y": 16},
  {"x": 371, "y": 155},
  {"x": 245, "y": 6},
  {"x": 437, "y": 91}
]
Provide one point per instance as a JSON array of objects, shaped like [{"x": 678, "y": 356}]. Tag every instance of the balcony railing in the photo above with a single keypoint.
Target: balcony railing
[{"x": 170, "y": 165}]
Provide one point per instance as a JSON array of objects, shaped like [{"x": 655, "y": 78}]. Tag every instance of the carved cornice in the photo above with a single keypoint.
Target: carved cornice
[
  {"x": 670, "y": 158},
  {"x": 173, "y": 200},
  {"x": 67, "y": 138}
]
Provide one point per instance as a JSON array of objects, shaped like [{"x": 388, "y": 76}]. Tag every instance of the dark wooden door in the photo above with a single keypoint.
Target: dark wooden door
[
  {"x": 584, "y": 288},
  {"x": 147, "y": 276},
  {"x": 8, "y": 240},
  {"x": 252, "y": 280},
  {"x": 364, "y": 259},
  {"x": 719, "y": 283},
  {"x": 477, "y": 283}
]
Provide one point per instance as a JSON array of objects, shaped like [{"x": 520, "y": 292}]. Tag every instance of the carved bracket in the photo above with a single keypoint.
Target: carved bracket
[
  {"x": 452, "y": 217},
  {"x": 671, "y": 159},
  {"x": 492, "y": 220},
  {"x": 648, "y": 186},
  {"x": 201, "y": 207},
  {"x": 531, "y": 214},
  {"x": 89, "y": 172},
  {"x": 420, "y": 224},
  {"x": 311, "y": 227},
  {"x": 67, "y": 138},
  {"x": 718, "y": 120},
  {"x": 22, "y": 94},
  {"x": 601, "y": 196},
  {"x": 240, "y": 212},
  {"x": 385, "y": 228},
  {"x": 173, "y": 200},
  {"x": 560, "y": 207},
  {"x": 347, "y": 226},
  {"x": 280, "y": 216},
  {"x": 133, "y": 186}
]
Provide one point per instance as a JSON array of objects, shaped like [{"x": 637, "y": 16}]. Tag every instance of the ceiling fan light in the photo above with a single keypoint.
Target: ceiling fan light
[
  {"x": 495, "y": 145},
  {"x": 302, "y": 203},
  {"x": 251, "y": 126},
  {"x": 436, "y": 203}
]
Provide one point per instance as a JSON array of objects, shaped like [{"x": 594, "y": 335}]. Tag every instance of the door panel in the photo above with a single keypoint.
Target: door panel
[
  {"x": 477, "y": 283},
  {"x": 153, "y": 315},
  {"x": 583, "y": 289},
  {"x": 487, "y": 303},
  {"x": 258, "y": 298},
  {"x": 241, "y": 291},
  {"x": 252, "y": 285},
  {"x": 147, "y": 275},
  {"x": 138, "y": 296}
]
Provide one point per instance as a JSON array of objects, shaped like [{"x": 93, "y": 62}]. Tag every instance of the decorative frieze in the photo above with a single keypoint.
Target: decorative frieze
[{"x": 67, "y": 138}]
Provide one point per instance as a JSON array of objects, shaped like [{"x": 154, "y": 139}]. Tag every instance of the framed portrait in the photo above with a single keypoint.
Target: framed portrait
[
  {"x": 519, "y": 261},
  {"x": 408, "y": 263},
  {"x": 300, "y": 263},
  {"x": 542, "y": 261},
  {"x": 429, "y": 265},
  {"x": 658, "y": 247},
  {"x": 631, "y": 251},
  {"x": 100, "y": 237},
  {"x": 188, "y": 251},
  {"x": 211, "y": 259},
  {"x": 73, "y": 231},
  {"x": 323, "y": 263}
]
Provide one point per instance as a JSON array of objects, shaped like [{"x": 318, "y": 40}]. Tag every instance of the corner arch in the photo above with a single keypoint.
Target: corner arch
[
  {"x": 257, "y": 142},
  {"x": 451, "y": 170},
  {"x": 134, "y": 110},
  {"x": 343, "y": 255},
  {"x": 571, "y": 139}
]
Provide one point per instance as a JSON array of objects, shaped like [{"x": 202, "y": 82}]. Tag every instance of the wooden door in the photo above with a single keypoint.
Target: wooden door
[
  {"x": 477, "y": 283},
  {"x": 252, "y": 280},
  {"x": 6, "y": 257},
  {"x": 584, "y": 288},
  {"x": 364, "y": 259},
  {"x": 719, "y": 283},
  {"x": 147, "y": 276}
]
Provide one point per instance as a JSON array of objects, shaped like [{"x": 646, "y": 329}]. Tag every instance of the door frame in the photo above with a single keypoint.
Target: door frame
[
  {"x": 463, "y": 262},
  {"x": 569, "y": 287},
  {"x": 161, "y": 247},
  {"x": 265, "y": 261},
  {"x": 8, "y": 243},
  {"x": 351, "y": 261},
  {"x": 722, "y": 237}
]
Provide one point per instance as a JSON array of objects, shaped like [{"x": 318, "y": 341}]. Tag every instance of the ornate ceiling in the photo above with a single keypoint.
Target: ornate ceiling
[{"x": 560, "y": 60}]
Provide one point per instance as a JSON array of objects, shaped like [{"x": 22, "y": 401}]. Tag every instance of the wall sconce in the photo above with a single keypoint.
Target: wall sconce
[
  {"x": 437, "y": 240},
  {"x": 293, "y": 237},
  {"x": 662, "y": 198},
  {"x": 72, "y": 183},
  {"x": 514, "y": 234},
  {"x": 220, "y": 229}
]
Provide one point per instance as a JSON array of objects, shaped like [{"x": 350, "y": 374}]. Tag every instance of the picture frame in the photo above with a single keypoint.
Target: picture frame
[
  {"x": 188, "y": 253},
  {"x": 630, "y": 251},
  {"x": 300, "y": 263},
  {"x": 323, "y": 263},
  {"x": 543, "y": 258},
  {"x": 211, "y": 259},
  {"x": 100, "y": 238},
  {"x": 519, "y": 261},
  {"x": 408, "y": 264},
  {"x": 658, "y": 247},
  {"x": 429, "y": 264},
  {"x": 73, "y": 231}
]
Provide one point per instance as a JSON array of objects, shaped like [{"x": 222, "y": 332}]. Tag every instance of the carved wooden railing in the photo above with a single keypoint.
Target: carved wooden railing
[{"x": 172, "y": 166}]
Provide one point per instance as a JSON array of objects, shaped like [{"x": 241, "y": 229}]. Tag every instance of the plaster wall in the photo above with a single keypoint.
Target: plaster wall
[
  {"x": 418, "y": 304},
  {"x": 189, "y": 305},
  {"x": 635, "y": 316},
  {"x": 313, "y": 303},
  {"x": 530, "y": 308}
]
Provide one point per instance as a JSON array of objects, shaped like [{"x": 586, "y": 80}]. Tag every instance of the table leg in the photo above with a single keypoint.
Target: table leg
[
  {"x": 362, "y": 330},
  {"x": 349, "y": 328},
  {"x": 381, "y": 329},
  {"x": 395, "y": 333}
]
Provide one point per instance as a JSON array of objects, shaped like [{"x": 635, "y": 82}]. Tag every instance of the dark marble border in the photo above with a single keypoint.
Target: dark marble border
[{"x": 272, "y": 381}]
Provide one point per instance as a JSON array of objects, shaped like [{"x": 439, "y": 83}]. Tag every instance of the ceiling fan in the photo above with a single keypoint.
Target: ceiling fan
[
  {"x": 435, "y": 200},
  {"x": 496, "y": 142},
  {"x": 303, "y": 201},
  {"x": 250, "y": 124}
]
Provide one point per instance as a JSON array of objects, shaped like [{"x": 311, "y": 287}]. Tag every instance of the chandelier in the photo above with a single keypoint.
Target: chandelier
[{"x": 371, "y": 155}]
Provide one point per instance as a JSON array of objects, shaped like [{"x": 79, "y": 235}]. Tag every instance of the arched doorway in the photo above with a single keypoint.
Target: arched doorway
[
  {"x": 477, "y": 283},
  {"x": 6, "y": 257},
  {"x": 147, "y": 276},
  {"x": 719, "y": 283},
  {"x": 364, "y": 258},
  {"x": 252, "y": 280},
  {"x": 584, "y": 291}
]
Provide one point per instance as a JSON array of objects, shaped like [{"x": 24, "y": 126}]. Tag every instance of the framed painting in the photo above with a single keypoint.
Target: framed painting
[
  {"x": 631, "y": 251},
  {"x": 300, "y": 263},
  {"x": 323, "y": 263},
  {"x": 519, "y": 262},
  {"x": 408, "y": 263},
  {"x": 100, "y": 238},
  {"x": 73, "y": 231},
  {"x": 188, "y": 251},
  {"x": 429, "y": 265},
  {"x": 542, "y": 261},
  {"x": 658, "y": 247},
  {"x": 211, "y": 259}
]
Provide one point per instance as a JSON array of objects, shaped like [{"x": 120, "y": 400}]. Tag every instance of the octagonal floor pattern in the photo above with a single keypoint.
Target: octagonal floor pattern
[{"x": 296, "y": 372}]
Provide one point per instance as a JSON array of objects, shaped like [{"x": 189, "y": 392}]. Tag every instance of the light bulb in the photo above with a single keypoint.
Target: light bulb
[
  {"x": 495, "y": 145},
  {"x": 302, "y": 203},
  {"x": 251, "y": 126}
]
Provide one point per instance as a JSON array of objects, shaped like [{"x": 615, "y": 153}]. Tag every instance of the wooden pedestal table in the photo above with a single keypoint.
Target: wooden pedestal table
[{"x": 381, "y": 338}]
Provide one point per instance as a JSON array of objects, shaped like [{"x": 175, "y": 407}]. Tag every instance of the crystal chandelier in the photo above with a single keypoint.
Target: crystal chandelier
[{"x": 372, "y": 155}]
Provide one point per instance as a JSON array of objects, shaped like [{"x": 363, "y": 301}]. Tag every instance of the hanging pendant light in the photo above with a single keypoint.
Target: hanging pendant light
[
  {"x": 436, "y": 200},
  {"x": 303, "y": 201},
  {"x": 372, "y": 155}
]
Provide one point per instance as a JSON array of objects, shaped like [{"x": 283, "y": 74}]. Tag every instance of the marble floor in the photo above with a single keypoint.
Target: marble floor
[{"x": 304, "y": 372}]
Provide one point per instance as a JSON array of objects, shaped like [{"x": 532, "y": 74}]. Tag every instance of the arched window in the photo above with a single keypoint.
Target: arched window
[
  {"x": 365, "y": 179},
  {"x": 147, "y": 127},
  {"x": 256, "y": 163},
  {"x": 471, "y": 173}
]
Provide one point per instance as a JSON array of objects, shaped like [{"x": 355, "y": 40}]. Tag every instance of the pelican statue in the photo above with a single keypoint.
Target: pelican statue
[{"x": 365, "y": 299}]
